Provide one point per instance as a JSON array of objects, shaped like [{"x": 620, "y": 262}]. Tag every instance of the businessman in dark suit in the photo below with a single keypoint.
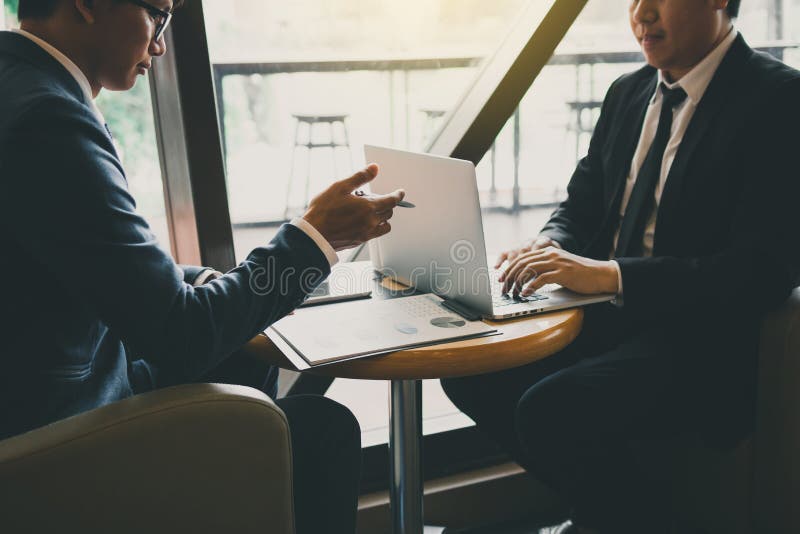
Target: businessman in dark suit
[
  {"x": 683, "y": 207},
  {"x": 93, "y": 310}
]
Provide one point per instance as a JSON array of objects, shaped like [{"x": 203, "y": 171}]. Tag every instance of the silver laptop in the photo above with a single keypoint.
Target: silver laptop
[{"x": 438, "y": 246}]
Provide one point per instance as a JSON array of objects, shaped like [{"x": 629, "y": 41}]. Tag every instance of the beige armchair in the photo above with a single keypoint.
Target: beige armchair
[{"x": 196, "y": 458}]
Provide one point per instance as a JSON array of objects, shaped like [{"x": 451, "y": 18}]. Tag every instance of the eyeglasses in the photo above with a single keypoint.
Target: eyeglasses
[{"x": 162, "y": 18}]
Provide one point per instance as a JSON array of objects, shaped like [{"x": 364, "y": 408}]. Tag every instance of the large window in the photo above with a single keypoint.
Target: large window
[
  {"x": 336, "y": 75},
  {"x": 8, "y": 13},
  {"x": 130, "y": 118},
  {"x": 343, "y": 73},
  {"x": 301, "y": 87}
]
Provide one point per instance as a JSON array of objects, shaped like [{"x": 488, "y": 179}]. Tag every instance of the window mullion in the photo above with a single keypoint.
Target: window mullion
[
  {"x": 473, "y": 124},
  {"x": 189, "y": 145}
]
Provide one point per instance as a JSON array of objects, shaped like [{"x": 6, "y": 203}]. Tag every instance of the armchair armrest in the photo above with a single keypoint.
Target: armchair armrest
[
  {"x": 777, "y": 437},
  {"x": 196, "y": 458}
]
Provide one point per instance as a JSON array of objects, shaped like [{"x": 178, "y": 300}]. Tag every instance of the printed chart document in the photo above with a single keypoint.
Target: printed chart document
[{"x": 347, "y": 330}]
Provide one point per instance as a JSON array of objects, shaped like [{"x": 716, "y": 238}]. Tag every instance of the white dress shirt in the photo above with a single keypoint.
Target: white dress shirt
[
  {"x": 321, "y": 242},
  {"x": 83, "y": 82},
  {"x": 694, "y": 83}
]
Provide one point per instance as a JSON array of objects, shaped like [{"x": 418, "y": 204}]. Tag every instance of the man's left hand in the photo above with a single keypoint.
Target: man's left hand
[{"x": 528, "y": 272}]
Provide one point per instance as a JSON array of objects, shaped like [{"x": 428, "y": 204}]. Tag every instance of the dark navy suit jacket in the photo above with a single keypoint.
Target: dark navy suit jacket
[
  {"x": 726, "y": 245},
  {"x": 91, "y": 308}
]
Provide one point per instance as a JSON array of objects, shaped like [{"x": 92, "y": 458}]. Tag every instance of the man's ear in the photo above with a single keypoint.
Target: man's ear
[
  {"x": 86, "y": 9},
  {"x": 720, "y": 4}
]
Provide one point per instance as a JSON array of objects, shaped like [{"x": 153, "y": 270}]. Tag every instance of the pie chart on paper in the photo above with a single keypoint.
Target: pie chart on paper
[
  {"x": 406, "y": 328},
  {"x": 448, "y": 322}
]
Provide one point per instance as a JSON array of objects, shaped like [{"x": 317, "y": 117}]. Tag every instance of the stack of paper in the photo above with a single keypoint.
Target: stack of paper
[{"x": 347, "y": 330}]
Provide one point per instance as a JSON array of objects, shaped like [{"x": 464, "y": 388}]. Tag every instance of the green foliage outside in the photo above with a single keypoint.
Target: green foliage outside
[
  {"x": 11, "y": 11},
  {"x": 130, "y": 117}
]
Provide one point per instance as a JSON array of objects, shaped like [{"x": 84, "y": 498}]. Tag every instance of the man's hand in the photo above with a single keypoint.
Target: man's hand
[
  {"x": 346, "y": 220},
  {"x": 534, "y": 244},
  {"x": 552, "y": 265}
]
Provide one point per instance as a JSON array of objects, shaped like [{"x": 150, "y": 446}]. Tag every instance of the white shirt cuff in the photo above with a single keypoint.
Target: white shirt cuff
[
  {"x": 321, "y": 242},
  {"x": 618, "y": 300},
  {"x": 206, "y": 276}
]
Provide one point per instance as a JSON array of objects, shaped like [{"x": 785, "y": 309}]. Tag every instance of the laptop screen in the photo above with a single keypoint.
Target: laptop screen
[{"x": 438, "y": 246}]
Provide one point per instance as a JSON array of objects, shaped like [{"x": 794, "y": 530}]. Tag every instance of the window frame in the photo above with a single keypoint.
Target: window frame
[
  {"x": 190, "y": 145},
  {"x": 471, "y": 127}
]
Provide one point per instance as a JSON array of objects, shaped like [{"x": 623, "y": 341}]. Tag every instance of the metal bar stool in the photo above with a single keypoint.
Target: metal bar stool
[{"x": 304, "y": 138}]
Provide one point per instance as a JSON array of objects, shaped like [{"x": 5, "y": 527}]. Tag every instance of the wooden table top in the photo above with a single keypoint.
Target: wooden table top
[{"x": 520, "y": 341}]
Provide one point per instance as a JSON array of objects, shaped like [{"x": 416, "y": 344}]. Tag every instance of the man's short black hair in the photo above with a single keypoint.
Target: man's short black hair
[
  {"x": 41, "y": 9},
  {"x": 733, "y": 8},
  {"x": 36, "y": 9}
]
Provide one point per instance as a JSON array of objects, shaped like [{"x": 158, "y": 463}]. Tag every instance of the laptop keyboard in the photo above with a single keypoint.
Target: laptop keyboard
[{"x": 499, "y": 300}]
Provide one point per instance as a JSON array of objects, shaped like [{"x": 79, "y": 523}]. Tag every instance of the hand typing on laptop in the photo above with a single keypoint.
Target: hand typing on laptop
[
  {"x": 530, "y": 270},
  {"x": 539, "y": 242}
]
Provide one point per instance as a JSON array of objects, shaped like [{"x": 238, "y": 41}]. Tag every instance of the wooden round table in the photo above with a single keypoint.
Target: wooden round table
[{"x": 520, "y": 341}]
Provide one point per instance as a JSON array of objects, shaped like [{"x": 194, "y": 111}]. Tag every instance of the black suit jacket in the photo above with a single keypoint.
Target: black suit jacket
[
  {"x": 726, "y": 245},
  {"x": 83, "y": 277}
]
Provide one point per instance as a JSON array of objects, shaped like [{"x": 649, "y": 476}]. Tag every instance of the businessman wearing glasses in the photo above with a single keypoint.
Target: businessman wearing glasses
[{"x": 96, "y": 311}]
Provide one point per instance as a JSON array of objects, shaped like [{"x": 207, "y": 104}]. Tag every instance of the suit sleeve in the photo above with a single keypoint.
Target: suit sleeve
[
  {"x": 576, "y": 220},
  {"x": 69, "y": 207},
  {"x": 759, "y": 264}
]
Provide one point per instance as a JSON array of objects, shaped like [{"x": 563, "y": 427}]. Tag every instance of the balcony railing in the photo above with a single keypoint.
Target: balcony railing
[{"x": 582, "y": 107}]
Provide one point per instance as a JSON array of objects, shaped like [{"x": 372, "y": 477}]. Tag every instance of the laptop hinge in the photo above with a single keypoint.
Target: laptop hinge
[{"x": 467, "y": 313}]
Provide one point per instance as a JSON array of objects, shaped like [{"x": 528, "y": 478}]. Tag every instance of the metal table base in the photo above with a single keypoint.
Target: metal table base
[{"x": 405, "y": 456}]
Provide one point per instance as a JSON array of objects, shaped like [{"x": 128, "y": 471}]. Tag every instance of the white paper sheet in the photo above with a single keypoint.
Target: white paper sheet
[{"x": 350, "y": 329}]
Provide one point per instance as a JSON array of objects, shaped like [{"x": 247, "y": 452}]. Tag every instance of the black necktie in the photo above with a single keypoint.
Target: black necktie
[{"x": 642, "y": 200}]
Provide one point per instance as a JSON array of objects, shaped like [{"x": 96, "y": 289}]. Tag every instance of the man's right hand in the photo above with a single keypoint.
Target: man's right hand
[
  {"x": 346, "y": 220},
  {"x": 534, "y": 244}
]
